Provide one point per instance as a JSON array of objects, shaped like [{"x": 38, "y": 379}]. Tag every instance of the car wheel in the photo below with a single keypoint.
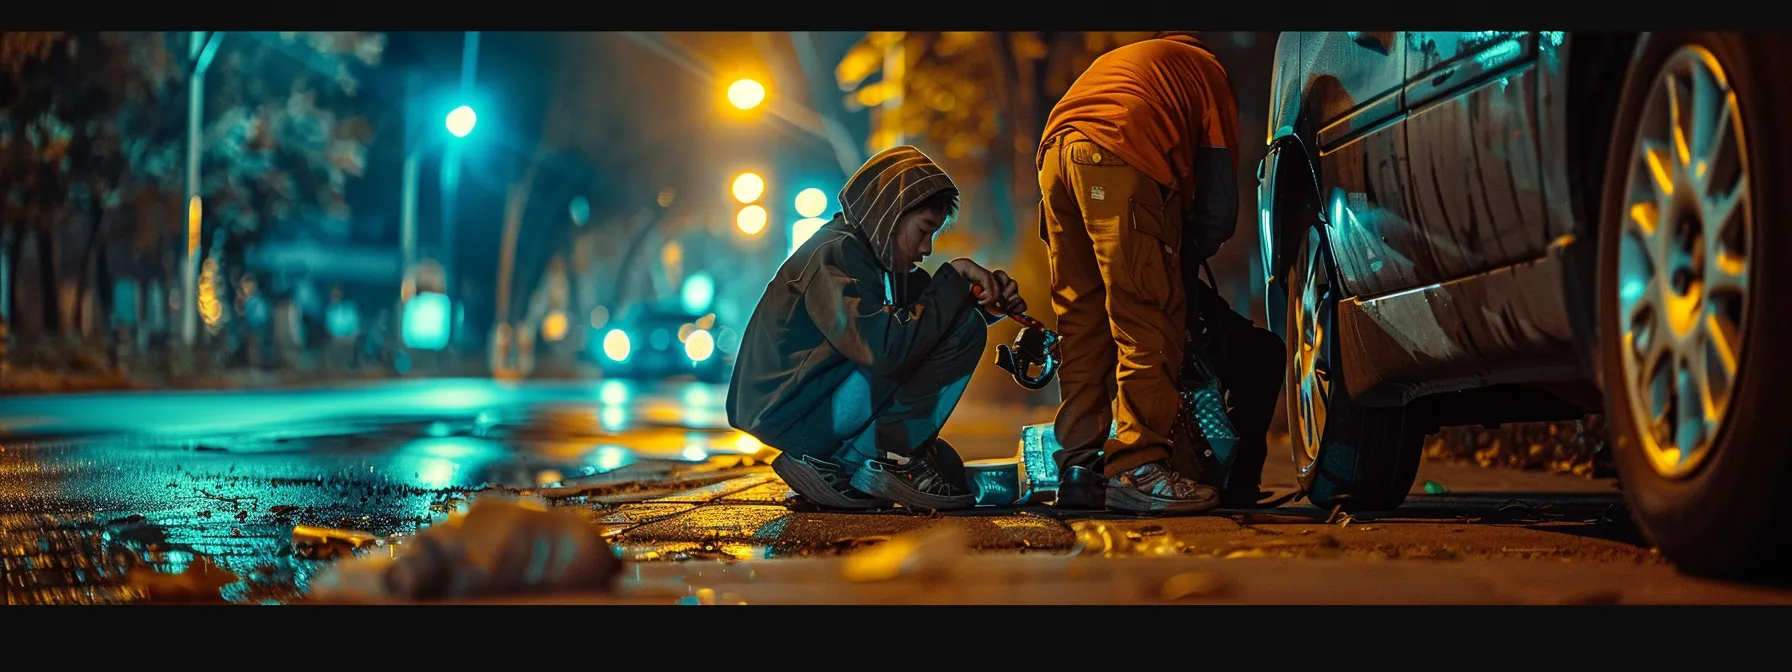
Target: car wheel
[
  {"x": 1355, "y": 457},
  {"x": 1697, "y": 149}
]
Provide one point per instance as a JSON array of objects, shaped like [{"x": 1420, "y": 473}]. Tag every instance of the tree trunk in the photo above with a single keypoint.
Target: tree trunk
[
  {"x": 15, "y": 246},
  {"x": 94, "y": 237},
  {"x": 46, "y": 277}
]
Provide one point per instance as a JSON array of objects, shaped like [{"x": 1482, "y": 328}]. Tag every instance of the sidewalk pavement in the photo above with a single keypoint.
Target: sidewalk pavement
[
  {"x": 735, "y": 508},
  {"x": 727, "y": 532}
]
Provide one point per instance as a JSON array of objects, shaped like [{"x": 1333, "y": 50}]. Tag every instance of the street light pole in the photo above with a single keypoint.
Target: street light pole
[
  {"x": 437, "y": 316},
  {"x": 202, "y": 48},
  {"x": 407, "y": 236},
  {"x": 451, "y": 168}
]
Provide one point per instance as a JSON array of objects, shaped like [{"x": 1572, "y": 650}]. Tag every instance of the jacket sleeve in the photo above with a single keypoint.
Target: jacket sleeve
[
  {"x": 845, "y": 301},
  {"x": 1212, "y": 215}
]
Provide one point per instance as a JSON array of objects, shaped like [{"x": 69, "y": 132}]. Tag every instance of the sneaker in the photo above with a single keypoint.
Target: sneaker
[
  {"x": 825, "y": 483},
  {"x": 1082, "y": 489},
  {"x": 920, "y": 483},
  {"x": 1158, "y": 488}
]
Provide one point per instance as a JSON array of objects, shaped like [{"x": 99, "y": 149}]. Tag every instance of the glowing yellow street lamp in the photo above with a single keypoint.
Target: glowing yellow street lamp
[
  {"x": 751, "y": 220},
  {"x": 811, "y": 202},
  {"x": 746, "y": 94},
  {"x": 748, "y": 187}
]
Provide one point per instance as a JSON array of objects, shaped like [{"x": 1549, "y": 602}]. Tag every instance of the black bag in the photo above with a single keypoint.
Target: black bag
[{"x": 1204, "y": 433}]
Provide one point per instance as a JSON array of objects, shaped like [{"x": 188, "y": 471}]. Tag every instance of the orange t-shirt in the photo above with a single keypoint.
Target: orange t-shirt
[{"x": 1152, "y": 102}]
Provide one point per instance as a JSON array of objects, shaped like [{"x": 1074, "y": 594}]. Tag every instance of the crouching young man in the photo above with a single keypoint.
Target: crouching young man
[{"x": 855, "y": 357}]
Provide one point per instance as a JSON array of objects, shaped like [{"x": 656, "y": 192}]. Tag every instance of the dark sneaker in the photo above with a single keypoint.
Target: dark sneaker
[
  {"x": 1157, "y": 488},
  {"x": 823, "y": 482},
  {"x": 919, "y": 484},
  {"x": 1082, "y": 489}
]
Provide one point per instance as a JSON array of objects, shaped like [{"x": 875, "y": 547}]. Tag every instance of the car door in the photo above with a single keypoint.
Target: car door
[
  {"x": 1355, "y": 99},
  {"x": 1472, "y": 143}
]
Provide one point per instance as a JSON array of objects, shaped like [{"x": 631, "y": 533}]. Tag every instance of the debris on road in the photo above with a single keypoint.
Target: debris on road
[
  {"x": 237, "y": 501},
  {"x": 496, "y": 548},
  {"x": 1577, "y": 447},
  {"x": 1435, "y": 488},
  {"x": 929, "y": 553},
  {"x": 323, "y": 543},
  {"x": 202, "y": 581}
]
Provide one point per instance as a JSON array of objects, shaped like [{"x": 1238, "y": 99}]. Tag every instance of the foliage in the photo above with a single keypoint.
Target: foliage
[
  {"x": 93, "y": 131},
  {"x": 285, "y": 133},
  {"x": 81, "y": 126},
  {"x": 105, "y": 111}
]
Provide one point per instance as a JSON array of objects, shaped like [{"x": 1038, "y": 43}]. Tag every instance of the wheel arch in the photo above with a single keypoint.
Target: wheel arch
[
  {"x": 1289, "y": 200},
  {"x": 1597, "y": 66},
  {"x": 1584, "y": 74}
]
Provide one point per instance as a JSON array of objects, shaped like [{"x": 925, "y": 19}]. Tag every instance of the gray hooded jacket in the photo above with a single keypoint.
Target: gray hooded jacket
[{"x": 839, "y": 304}]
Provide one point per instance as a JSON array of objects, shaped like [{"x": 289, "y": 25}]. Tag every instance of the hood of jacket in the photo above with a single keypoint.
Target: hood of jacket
[{"x": 890, "y": 183}]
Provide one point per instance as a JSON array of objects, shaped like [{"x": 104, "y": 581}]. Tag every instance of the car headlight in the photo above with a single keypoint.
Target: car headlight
[
  {"x": 616, "y": 345},
  {"x": 699, "y": 346}
]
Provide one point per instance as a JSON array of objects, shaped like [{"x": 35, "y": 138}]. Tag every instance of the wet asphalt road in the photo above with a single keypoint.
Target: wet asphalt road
[
  {"x": 91, "y": 481},
  {"x": 194, "y": 497}
]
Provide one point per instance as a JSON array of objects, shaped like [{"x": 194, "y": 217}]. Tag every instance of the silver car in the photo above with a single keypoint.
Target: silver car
[{"x": 1463, "y": 228}]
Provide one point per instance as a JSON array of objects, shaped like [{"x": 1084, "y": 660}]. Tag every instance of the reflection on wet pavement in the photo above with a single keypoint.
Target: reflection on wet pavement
[
  {"x": 196, "y": 515},
  {"x": 106, "y": 520}
]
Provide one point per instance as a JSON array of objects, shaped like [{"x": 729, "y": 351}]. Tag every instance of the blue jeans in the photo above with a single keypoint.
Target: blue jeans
[{"x": 873, "y": 416}]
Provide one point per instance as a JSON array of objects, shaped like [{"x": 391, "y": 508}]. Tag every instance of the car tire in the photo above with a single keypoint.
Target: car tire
[
  {"x": 1367, "y": 457},
  {"x": 1722, "y": 509}
]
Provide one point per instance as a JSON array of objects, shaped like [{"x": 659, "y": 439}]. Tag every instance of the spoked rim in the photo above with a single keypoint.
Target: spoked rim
[
  {"x": 1311, "y": 326},
  {"x": 1683, "y": 262}
]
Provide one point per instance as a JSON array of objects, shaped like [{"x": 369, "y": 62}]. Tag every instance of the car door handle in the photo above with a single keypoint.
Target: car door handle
[
  {"x": 1443, "y": 77},
  {"x": 1370, "y": 41}
]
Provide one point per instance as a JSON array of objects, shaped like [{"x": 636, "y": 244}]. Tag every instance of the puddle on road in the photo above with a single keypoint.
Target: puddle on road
[
  {"x": 219, "y": 530},
  {"x": 230, "y": 502},
  {"x": 83, "y": 559}
]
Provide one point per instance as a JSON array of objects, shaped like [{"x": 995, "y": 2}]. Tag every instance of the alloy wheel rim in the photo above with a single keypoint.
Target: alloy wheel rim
[
  {"x": 1312, "y": 324},
  {"x": 1683, "y": 262}
]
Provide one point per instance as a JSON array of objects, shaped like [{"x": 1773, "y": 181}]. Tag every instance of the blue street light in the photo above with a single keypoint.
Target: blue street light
[
  {"x": 461, "y": 121},
  {"x": 426, "y": 325},
  {"x": 698, "y": 292}
]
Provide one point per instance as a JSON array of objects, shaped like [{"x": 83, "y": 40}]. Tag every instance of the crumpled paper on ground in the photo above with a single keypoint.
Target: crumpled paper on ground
[
  {"x": 496, "y": 548},
  {"x": 929, "y": 553}
]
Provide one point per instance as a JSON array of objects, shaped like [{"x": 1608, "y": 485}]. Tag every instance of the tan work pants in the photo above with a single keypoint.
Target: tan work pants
[{"x": 1115, "y": 241}]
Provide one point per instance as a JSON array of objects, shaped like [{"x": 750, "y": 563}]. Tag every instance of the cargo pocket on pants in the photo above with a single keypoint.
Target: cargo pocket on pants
[{"x": 1156, "y": 246}]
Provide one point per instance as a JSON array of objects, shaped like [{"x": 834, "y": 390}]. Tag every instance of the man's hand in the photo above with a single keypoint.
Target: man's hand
[
  {"x": 999, "y": 295},
  {"x": 1008, "y": 298}
]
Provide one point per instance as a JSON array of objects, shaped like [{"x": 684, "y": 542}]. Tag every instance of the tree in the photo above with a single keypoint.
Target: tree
[
  {"x": 92, "y": 129},
  {"x": 285, "y": 133},
  {"x": 82, "y": 131}
]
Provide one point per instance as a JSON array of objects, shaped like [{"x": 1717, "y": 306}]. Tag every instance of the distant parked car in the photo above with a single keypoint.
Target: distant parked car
[
  {"x": 654, "y": 343},
  {"x": 1467, "y": 228}
]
